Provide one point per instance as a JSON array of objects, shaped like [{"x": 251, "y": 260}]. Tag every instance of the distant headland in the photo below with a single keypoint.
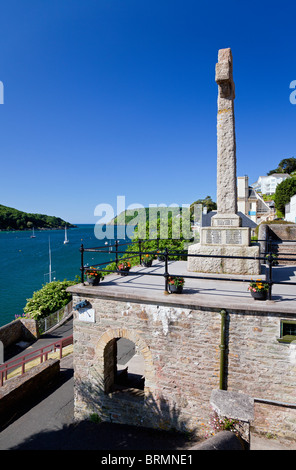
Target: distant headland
[{"x": 13, "y": 219}]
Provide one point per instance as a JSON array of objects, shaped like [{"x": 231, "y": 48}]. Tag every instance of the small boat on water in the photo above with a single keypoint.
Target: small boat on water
[
  {"x": 66, "y": 238},
  {"x": 33, "y": 234}
]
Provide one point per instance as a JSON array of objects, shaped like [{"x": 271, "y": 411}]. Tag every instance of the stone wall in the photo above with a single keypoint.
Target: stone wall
[
  {"x": 17, "y": 330},
  {"x": 180, "y": 347},
  {"x": 17, "y": 392},
  {"x": 11, "y": 333},
  {"x": 282, "y": 231}
]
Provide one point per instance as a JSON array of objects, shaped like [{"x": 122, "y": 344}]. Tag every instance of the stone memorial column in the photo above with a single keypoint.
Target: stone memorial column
[
  {"x": 226, "y": 144},
  {"x": 225, "y": 236}
]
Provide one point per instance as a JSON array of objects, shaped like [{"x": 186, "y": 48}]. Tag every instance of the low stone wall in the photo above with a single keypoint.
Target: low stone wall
[
  {"x": 30, "y": 329},
  {"x": 282, "y": 231},
  {"x": 17, "y": 330},
  {"x": 275, "y": 420},
  {"x": 11, "y": 333},
  {"x": 18, "y": 391}
]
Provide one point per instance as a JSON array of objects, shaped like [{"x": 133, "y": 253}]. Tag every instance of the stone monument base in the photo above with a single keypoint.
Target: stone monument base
[{"x": 223, "y": 265}]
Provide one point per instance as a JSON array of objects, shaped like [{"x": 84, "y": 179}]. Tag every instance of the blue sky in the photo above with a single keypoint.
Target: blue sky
[{"x": 118, "y": 97}]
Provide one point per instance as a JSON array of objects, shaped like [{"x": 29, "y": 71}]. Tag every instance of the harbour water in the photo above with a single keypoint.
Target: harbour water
[{"x": 24, "y": 265}]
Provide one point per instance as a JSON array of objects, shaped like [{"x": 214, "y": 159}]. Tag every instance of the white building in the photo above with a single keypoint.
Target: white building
[
  {"x": 290, "y": 210},
  {"x": 268, "y": 184},
  {"x": 250, "y": 203}
]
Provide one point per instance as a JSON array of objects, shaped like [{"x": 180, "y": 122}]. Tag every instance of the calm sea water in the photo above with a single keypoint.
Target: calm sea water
[{"x": 24, "y": 262}]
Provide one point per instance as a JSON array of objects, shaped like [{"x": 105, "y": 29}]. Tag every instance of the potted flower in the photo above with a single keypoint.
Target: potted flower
[
  {"x": 123, "y": 268},
  {"x": 147, "y": 260},
  {"x": 93, "y": 276},
  {"x": 176, "y": 284},
  {"x": 259, "y": 289}
]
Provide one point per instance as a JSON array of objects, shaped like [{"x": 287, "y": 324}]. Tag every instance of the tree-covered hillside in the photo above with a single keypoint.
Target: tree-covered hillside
[{"x": 13, "y": 219}]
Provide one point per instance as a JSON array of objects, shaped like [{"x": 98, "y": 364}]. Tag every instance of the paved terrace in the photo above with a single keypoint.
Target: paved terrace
[{"x": 207, "y": 292}]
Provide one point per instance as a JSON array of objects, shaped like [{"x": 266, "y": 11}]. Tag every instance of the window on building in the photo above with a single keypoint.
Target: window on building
[{"x": 288, "y": 331}]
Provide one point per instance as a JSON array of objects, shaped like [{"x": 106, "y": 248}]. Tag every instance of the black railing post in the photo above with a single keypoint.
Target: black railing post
[
  {"x": 82, "y": 263},
  {"x": 270, "y": 261},
  {"x": 116, "y": 252},
  {"x": 166, "y": 270},
  {"x": 140, "y": 250}
]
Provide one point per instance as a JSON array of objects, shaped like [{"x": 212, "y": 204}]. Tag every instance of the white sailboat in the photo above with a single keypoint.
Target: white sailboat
[
  {"x": 33, "y": 234},
  {"x": 66, "y": 238}
]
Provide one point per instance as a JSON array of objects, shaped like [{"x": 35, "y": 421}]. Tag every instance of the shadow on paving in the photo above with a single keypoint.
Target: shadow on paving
[
  {"x": 86, "y": 435},
  {"x": 27, "y": 404}
]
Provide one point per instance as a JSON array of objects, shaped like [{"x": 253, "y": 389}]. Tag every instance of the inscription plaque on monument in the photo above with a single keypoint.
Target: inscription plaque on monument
[
  {"x": 225, "y": 222},
  {"x": 234, "y": 237},
  {"x": 213, "y": 237}
]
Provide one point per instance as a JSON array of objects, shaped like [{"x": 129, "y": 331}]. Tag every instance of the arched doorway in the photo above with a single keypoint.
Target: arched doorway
[
  {"x": 124, "y": 366},
  {"x": 125, "y": 361}
]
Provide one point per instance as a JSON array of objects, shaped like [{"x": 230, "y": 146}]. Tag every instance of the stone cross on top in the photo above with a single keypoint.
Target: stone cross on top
[
  {"x": 224, "y": 77},
  {"x": 226, "y": 144}
]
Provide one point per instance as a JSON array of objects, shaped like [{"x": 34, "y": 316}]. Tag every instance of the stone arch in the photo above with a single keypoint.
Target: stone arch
[{"x": 104, "y": 355}]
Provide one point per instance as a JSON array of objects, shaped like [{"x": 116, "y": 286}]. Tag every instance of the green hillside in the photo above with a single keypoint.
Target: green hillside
[{"x": 13, "y": 219}]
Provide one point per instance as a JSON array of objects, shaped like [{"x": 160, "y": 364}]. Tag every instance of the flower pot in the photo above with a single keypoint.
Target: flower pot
[
  {"x": 147, "y": 264},
  {"x": 175, "y": 289},
  {"x": 123, "y": 272},
  {"x": 93, "y": 281},
  {"x": 259, "y": 295}
]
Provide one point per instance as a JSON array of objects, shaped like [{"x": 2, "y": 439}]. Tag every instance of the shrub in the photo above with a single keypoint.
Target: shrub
[{"x": 50, "y": 298}]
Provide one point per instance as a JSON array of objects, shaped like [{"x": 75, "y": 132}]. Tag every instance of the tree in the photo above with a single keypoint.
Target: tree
[
  {"x": 284, "y": 191},
  {"x": 207, "y": 201},
  {"x": 287, "y": 165}
]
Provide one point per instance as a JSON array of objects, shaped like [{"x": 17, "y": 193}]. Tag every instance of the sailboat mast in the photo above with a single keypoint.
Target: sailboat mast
[{"x": 49, "y": 259}]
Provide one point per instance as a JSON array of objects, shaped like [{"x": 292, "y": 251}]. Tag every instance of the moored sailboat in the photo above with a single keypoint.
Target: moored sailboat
[{"x": 66, "y": 238}]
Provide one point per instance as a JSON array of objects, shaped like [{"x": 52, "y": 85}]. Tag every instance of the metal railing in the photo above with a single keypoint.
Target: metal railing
[
  {"x": 19, "y": 364},
  {"x": 166, "y": 254},
  {"x": 46, "y": 323}
]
